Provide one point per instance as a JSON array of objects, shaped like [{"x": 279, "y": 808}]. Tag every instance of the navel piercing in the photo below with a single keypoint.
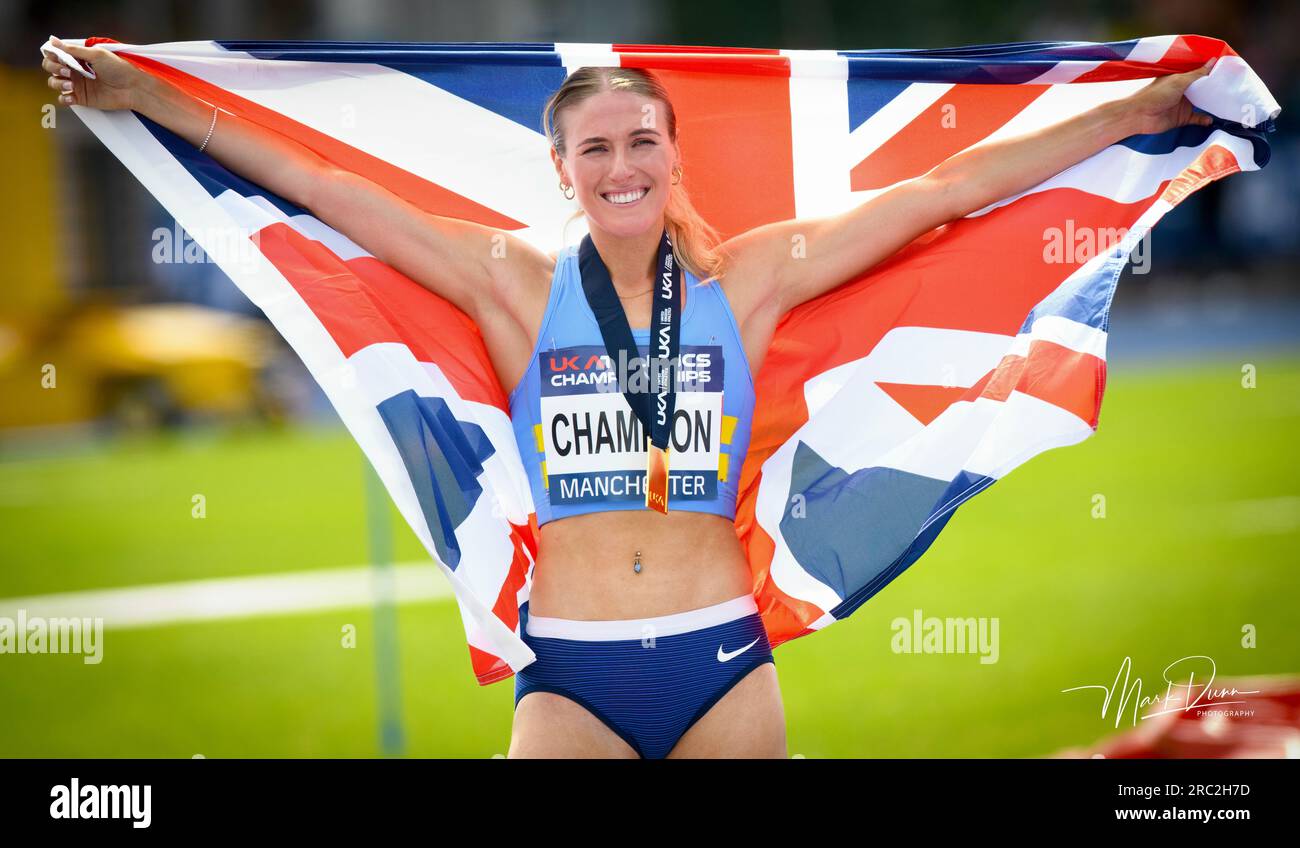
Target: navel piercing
[{"x": 636, "y": 566}]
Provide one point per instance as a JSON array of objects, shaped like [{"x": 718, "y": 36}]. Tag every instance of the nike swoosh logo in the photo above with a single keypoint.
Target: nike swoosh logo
[{"x": 723, "y": 656}]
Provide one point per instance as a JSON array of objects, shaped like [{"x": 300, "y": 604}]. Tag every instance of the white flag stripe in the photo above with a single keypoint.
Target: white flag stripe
[
  {"x": 1063, "y": 72},
  {"x": 1233, "y": 91},
  {"x": 890, "y": 118},
  {"x": 1024, "y": 427},
  {"x": 179, "y": 50},
  {"x": 257, "y": 212},
  {"x": 1061, "y": 331},
  {"x": 1124, "y": 175},
  {"x": 984, "y": 435},
  {"x": 1151, "y": 49},
  {"x": 909, "y": 355},
  {"x": 819, "y": 115},
  {"x": 1060, "y": 102},
  {"x": 574, "y": 56}
]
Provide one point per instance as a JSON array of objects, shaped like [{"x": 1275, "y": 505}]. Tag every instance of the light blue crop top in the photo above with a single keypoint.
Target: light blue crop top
[{"x": 584, "y": 448}]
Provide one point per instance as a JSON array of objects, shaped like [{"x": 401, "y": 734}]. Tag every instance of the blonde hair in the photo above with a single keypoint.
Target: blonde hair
[{"x": 696, "y": 244}]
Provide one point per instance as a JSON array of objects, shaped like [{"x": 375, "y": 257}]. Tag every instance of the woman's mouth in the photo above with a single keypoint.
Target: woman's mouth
[{"x": 626, "y": 198}]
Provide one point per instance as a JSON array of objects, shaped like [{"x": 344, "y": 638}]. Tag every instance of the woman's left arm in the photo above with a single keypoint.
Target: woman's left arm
[{"x": 837, "y": 248}]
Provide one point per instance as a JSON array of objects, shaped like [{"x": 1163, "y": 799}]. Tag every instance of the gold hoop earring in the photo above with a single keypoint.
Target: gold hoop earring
[
  {"x": 567, "y": 191},
  {"x": 677, "y": 172}
]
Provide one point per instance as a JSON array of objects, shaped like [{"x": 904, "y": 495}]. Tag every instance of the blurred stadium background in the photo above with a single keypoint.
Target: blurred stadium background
[{"x": 169, "y": 384}]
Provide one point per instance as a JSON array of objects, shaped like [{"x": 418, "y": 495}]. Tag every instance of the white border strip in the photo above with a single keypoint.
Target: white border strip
[{"x": 639, "y": 628}]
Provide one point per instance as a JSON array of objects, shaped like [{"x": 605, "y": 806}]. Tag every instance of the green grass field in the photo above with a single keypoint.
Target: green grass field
[{"x": 1198, "y": 541}]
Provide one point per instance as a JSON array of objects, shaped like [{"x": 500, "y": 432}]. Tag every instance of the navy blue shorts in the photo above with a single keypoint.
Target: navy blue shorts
[{"x": 647, "y": 679}]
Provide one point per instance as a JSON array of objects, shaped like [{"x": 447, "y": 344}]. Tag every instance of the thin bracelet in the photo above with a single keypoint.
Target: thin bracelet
[{"x": 210, "y": 129}]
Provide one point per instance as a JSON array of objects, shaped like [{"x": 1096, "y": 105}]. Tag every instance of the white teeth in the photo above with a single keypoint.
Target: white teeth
[{"x": 626, "y": 197}]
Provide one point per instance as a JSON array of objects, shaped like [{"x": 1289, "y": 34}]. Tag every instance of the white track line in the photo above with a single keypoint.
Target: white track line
[
  {"x": 238, "y": 597},
  {"x": 362, "y": 586}
]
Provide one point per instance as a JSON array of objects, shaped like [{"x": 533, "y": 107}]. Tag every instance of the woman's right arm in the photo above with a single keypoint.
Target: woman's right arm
[{"x": 480, "y": 269}]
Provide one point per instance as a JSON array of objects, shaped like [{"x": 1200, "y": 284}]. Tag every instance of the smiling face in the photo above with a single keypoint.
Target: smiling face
[{"x": 618, "y": 160}]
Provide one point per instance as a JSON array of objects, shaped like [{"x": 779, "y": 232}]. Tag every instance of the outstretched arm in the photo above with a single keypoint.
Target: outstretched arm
[
  {"x": 451, "y": 257},
  {"x": 837, "y": 248}
]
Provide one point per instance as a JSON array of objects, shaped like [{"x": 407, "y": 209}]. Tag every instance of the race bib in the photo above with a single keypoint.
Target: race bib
[{"x": 595, "y": 445}]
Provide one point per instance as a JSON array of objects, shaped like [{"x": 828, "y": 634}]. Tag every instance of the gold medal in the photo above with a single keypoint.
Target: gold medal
[{"x": 656, "y": 474}]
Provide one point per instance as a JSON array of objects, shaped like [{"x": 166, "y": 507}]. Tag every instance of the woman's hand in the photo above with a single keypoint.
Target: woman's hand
[
  {"x": 113, "y": 86},
  {"x": 1161, "y": 105}
]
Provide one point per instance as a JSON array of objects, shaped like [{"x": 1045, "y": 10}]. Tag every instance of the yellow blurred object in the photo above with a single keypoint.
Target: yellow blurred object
[
  {"x": 68, "y": 358},
  {"x": 33, "y": 283},
  {"x": 156, "y": 360}
]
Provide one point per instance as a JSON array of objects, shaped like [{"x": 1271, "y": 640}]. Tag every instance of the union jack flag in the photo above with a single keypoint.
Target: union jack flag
[{"x": 882, "y": 405}]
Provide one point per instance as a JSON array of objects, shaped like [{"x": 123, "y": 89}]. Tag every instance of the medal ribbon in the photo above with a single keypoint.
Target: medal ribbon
[{"x": 654, "y": 407}]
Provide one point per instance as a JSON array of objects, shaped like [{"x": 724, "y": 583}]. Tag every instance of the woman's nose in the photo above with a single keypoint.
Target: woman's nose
[{"x": 621, "y": 167}]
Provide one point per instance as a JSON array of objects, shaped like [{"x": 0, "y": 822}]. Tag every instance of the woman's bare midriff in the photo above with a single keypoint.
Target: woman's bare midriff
[{"x": 584, "y": 566}]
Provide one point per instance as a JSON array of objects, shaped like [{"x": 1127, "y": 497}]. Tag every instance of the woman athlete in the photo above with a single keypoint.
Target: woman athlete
[{"x": 647, "y": 637}]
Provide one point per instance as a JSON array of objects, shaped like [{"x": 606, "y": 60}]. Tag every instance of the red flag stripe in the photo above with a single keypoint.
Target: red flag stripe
[
  {"x": 362, "y": 302},
  {"x": 965, "y": 115},
  {"x": 424, "y": 194}
]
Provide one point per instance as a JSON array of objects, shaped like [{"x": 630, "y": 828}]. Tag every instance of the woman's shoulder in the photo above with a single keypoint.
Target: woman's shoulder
[{"x": 562, "y": 253}]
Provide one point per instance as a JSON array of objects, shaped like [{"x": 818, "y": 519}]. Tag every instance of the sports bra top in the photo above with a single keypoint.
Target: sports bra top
[{"x": 582, "y": 445}]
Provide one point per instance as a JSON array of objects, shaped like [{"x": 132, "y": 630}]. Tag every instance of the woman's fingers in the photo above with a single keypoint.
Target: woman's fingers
[
  {"x": 65, "y": 88},
  {"x": 87, "y": 54},
  {"x": 61, "y": 79},
  {"x": 55, "y": 68},
  {"x": 1196, "y": 73}
]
